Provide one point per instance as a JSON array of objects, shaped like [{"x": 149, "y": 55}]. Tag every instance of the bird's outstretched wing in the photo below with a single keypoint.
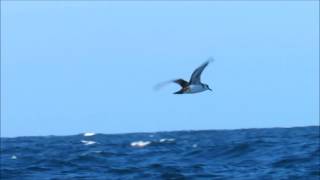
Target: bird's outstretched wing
[
  {"x": 196, "y": 75},
  {"x": 181, "y": 82}
]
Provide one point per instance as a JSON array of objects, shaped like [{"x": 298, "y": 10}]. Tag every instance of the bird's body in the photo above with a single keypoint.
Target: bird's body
[
  {"x": 194, "y": 85},
  {"x": 196, "y": 88},
  {"x": 191, "y": 89}
]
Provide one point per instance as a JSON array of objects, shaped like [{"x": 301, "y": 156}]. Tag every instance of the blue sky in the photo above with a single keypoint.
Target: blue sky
[{"x": 72, "y": 67}]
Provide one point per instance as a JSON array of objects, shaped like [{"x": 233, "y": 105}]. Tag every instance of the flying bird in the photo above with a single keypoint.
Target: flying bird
[{"x": 194, "y": 85}]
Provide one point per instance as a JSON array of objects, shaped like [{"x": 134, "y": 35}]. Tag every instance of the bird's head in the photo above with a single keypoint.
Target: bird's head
[{"x": 207, "y": 87}]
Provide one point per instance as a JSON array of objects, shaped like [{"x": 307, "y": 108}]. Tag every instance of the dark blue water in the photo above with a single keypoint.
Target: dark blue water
[{"x": 277, "y": 153}]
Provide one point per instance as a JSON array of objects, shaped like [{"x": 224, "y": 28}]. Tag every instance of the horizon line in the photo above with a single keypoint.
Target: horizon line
[{"x": 163, "y": 131}]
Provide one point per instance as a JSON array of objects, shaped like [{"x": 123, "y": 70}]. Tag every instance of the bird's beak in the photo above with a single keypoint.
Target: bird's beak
[{"x": 210, "y": 89}]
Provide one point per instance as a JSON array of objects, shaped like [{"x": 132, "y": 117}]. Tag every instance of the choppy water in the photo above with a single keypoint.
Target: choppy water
[{"x": 277, "y": 153}]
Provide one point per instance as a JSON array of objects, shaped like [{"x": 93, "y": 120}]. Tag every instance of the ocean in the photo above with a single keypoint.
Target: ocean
[{"x": 272, "y": 153}]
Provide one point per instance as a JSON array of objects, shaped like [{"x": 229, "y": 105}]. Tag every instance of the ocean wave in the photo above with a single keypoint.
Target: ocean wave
[
  {"x": 140, "y": 143},
  {"x": 13, "y": 157},
  {"x": 166, "y": 140},
  {"x": 89, "y": 134},
  {"x": 287, "y": 153},
  {"x": 88, "y": 142}
]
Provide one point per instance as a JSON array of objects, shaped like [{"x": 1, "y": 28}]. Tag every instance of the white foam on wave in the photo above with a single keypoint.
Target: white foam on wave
[
  {"x": 167, "y": 140},
  {"x": 13, "y": 157},
  {"x": 89, "y": 134},
  {"x": 195, "y": 145},
  {"x": 88, "y": 142},
  {"x": 140, "y": 143}
]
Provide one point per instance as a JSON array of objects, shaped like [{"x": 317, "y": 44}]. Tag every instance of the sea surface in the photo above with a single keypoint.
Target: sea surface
[{"x": 275, "y": 153}]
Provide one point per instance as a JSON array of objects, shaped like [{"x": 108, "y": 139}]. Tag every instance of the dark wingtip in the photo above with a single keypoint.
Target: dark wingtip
[
  {"x": 210, "y": 59},
  {"x": 178, "y": 92}
]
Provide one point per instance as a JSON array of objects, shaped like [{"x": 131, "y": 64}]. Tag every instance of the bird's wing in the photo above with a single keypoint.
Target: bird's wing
[
  {"x": 161, "y": 85},
  {"x": 196, "y": 75},
  {"x": 181, "y": 82}
]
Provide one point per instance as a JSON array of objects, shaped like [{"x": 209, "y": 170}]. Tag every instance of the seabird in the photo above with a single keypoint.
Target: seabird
[{"x": 194, "y": 85}]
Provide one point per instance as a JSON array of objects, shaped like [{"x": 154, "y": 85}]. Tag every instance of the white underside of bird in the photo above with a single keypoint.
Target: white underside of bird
[{"x": 195, "y": 89}]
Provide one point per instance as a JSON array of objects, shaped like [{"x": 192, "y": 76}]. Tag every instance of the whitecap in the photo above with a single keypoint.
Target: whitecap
[
  {"x": 167, "y": 140},
  {"x": 89, "y": 134},
  {"x": 195, "y": 145},
  {"x": 13, "y": 157},
  {"x": 140, "y": 143},
  {"x": 88, "y": 142}
]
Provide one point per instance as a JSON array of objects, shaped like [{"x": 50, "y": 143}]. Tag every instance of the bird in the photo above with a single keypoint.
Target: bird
[{"x": 194, "y": 85}]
